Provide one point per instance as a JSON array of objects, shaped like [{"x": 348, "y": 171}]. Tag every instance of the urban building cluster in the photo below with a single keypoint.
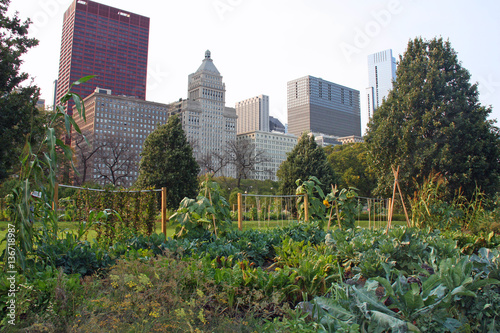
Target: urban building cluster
[{"x": 112, "y": 44}]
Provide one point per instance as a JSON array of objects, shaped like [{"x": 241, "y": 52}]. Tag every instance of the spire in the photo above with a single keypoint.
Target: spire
[{"x": 208, "y": 64}]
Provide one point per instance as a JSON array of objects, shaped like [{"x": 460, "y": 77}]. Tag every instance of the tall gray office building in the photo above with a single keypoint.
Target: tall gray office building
[
  {"x": 319, "y": 106},
  {"x": 253, "y": 114},
  {"x": 381, "y": 74},
  {"x": 209, "y": 125}
]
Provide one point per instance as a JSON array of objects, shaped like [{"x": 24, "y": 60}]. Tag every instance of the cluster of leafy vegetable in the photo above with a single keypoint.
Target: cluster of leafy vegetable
[
  {"x": 445, "y": 299},
  {"x": 371, "y": 252}
]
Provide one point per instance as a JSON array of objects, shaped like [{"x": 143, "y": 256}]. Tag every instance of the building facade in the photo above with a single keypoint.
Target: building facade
[
  {"x": 320, "y": 106},
  {"x": 210, "y": 126},
  {"x": 381, "y": 74},
  {"x": 275, "y": 125},
  {"x": 116, "y": 127},
  {"x": 253, "y": 114},
  {"x": 275, "y": 147},
  {"x": 105, "y": 41}
]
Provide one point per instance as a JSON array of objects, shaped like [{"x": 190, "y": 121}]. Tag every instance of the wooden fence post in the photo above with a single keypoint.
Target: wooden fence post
[
  {"x": 56, "y": 197},
  {"x": 306, "y": 208},
  {"x": 164, "y": 211},
  {"x": 240, "y": 213}
]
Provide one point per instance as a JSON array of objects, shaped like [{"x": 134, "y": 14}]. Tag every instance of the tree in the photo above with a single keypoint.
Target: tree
[
  {"x": 117, "y": 161},
  {"x": 17, "y": 104},
  {"x": 213, "y": 162},
  {"x": 305, "y": 160},
  {"x": 350, "y": 161},
  {"x": 167, "y": 161},
  {"x": 84, "y": 154},
  {"x": 246, "y": 159},
  {"x": 432, "y": 121}
]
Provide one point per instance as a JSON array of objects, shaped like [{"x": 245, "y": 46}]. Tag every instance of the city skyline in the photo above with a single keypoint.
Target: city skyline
[{"x": 294, "y": 38}]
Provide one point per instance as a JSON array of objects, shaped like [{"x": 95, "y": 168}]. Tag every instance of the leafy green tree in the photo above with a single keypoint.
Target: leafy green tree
[
  {"x": 432, "y": 121},
  {"x": 167, "y": 161},
  {"x": 17, "y": 104},
  {"x": 305, "y": 160},
  {"x": 350, "y": 161}
]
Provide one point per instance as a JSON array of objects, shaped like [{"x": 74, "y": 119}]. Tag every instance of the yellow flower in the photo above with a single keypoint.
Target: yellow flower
[
  {"x": 154, "y": 314},
  {"x": 326, "y": 203}
]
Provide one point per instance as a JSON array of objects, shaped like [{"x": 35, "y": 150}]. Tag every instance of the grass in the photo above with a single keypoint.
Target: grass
[
  {"x": 263, "y": 225},
  {"x": 65, "y": 226}
]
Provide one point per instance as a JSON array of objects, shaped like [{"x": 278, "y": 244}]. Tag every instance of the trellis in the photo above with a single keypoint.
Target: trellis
[{"x": 136, "y": 210}]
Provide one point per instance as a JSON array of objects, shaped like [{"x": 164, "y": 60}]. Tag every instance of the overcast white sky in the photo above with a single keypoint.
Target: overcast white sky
[{"x": 259, "y": 45}]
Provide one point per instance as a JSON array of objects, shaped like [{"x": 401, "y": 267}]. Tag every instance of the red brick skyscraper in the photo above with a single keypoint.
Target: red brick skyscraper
[{"x": 104, "y": 41}]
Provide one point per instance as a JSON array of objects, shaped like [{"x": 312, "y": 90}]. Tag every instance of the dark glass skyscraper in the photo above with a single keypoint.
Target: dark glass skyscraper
[
  {"x": 322, "y": 107},
  {"x": 104, "y": 41}
]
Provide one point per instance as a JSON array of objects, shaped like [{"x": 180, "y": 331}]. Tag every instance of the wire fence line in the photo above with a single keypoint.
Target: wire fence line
[{"x": 100, "y": 190}]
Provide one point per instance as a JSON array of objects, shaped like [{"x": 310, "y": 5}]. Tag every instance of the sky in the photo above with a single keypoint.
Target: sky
[{"x": 260, "y": 45}]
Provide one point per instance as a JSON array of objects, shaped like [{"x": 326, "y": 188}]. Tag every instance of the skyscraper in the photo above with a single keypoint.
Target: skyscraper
[
  {"x": 108, "y": 42},
  {"x": 319, "y": 106},
  {"x": 253, "y": 114},
  {"x": 381, "y": 74},
  {"x": 209, "y": 125}
]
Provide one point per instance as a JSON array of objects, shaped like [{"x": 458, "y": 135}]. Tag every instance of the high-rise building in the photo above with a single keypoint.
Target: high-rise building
[
  {"x": 272, "y": 147},
  {"x": 253, "y": 114},
  {"x": 209, "y": 125},
  {"x": 381, "y": 74},
  {"x": 108, "y": 42},
  {"x": 320, "y": 106},
  {"x": 116, "y": 127},
  {"x": 275, "y": 125}
]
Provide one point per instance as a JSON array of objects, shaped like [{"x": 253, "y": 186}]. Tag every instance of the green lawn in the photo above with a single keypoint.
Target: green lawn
[{"x": 73, "y": 226}]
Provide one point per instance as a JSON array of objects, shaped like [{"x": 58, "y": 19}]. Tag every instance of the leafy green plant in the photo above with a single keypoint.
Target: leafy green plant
[
  {"x": 209, "y": 212},
  {"x": 346, "y": 207},
  {"x": 40, "y": 174},
  {"x": 315, "y": 196}
]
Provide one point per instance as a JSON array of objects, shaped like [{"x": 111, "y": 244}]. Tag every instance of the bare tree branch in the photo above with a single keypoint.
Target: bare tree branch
[
  {"x": 213, "y": 162},
  {"x": 84, "y": 154},
  {"x": 246, "y": 159},
  {"x": 117, "y": 161}
]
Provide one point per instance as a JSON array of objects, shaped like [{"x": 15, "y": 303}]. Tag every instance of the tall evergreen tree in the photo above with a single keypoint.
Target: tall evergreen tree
[
  {"x": 432, "y": 121},
  {"x": 306, "y": 159},
  {"x": 167, "y": 161},
  {"x": 17, "y": 104}
]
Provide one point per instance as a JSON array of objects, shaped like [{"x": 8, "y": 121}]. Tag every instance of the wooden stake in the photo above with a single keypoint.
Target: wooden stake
[
  {"x": 391, "y": 203},
  {"x": 240, "y": 213},
  {"x": 164, "y": 211},
  {"x": 396, "y": 175},
  {"x": 213, "y": 216},
  {"x": 306, "y": 208},
  {"x": 56, "y": 197}
]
